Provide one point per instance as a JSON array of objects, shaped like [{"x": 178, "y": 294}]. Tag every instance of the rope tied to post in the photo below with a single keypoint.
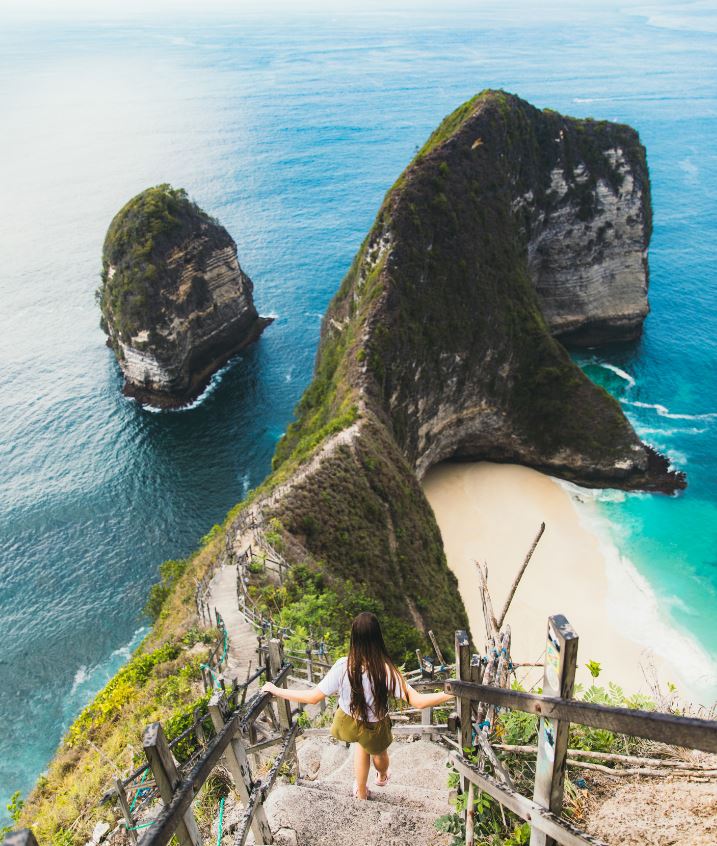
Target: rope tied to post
[{"x": 139, "y": 790}]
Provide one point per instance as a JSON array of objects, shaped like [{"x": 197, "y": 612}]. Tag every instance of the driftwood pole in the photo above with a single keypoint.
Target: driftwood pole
[
  {"x": 516, "y": 581},
  {"x": 561, "y": 654},
  {"x": 490, "y": 620},
  {"x": 437, "y": 649}
]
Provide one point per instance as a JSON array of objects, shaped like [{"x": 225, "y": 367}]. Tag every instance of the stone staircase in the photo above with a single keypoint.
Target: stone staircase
[{"x": 319, "y": 809}]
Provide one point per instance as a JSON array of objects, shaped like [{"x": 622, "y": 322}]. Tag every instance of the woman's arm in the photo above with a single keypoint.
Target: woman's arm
[
  {"x": 307, "y": 697},
  {"x": 426, "y": 700}
]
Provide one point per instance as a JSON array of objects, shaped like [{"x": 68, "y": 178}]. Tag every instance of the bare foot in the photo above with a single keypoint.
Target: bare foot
[{"x": 358, "y": 793}]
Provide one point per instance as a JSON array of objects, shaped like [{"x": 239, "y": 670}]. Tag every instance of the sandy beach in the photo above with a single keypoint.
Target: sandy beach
[{"x": 491, "y": 513}]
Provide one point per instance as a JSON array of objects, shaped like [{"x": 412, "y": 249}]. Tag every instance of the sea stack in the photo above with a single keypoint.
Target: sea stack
[{"x": 175, "y": 303}]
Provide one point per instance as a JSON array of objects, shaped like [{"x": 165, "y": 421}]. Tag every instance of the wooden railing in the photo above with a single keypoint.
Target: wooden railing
[
  {"x": 556, "y": 710},
  {"x": 236, "y": 740},
  {"x": 232, "y": 746}
]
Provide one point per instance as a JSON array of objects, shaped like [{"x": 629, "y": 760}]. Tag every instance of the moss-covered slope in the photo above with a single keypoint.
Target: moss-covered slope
[{"x": 441, "y": 319}]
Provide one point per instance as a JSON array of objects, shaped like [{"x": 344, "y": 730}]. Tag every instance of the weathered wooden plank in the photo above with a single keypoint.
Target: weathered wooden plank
[
  {"x": 689, "y": 732},
  {"x": 465, "y": 727},
  {"x": 612, "y": 757},
  {"x": 283, "y": 706},
  {"x": 166, "y": 775},
  {"x": 560, "y": 830},
  {"x": 561, "y": 657},
  {"x": 170, "y": 817},
  {"x": 126, "y": 813},
  {"x": 436, "y": 648},
  {"x": 235, "y": 757}
]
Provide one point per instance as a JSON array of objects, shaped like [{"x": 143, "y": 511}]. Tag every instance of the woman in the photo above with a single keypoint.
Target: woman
[{"x": 364, "y": 680}]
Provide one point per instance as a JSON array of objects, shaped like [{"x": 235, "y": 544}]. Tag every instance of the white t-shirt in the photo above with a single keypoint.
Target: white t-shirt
[{"x": 337, "y": 681}]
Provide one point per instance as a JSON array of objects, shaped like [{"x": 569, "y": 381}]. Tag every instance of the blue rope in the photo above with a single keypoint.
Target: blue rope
[
  {"x": 143, "y": 825},
  {"x": 221, "y": 821},
  {"x": 139, "y": 790}
]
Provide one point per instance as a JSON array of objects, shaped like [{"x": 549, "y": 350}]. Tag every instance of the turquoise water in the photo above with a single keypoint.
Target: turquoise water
[{"x": 290, "y": 131}]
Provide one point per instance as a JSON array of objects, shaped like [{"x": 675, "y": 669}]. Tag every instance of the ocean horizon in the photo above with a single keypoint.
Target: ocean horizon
[{"x": 290, "y": 130}]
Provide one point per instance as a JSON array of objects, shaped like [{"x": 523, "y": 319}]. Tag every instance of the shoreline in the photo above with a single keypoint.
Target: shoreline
[{"x": 492, "y": 512}]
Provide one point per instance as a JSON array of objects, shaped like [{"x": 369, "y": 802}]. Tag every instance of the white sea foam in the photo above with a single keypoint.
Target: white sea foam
[
  {"x": 621, "y": 373},
  {"x": 641, "y": 614},
  {"x": 663, "y": 411},
  {"x": 81, "y": 677},
  {"x": 646, "y": 430},
  {"x": 88, "y": 680},
  {"x": 212, "y": 385}
]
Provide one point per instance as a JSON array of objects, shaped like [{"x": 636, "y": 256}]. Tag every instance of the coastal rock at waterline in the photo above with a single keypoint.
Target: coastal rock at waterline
[{"x": 175, "y": 303}]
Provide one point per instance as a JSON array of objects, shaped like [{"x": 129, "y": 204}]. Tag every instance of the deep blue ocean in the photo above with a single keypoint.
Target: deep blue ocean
[{"x": 290, "y": 129}]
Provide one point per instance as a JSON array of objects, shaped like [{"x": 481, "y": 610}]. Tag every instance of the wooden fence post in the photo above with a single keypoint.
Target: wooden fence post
[
  {"x": 167, "y": 778},
  {"x": 237, "y": 763},
  {"x": 561, "y": 654},
  {"x": 199, "y": 728},
  {"x": 465, "y": 715},
  {"x": 276, "y": 659},
  {"x": 124, "y": 807},
  {"x": 309, "y": 664}
]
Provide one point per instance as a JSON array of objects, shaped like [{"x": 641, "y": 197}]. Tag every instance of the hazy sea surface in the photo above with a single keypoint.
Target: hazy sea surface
[{"x": 290, "y": 131}]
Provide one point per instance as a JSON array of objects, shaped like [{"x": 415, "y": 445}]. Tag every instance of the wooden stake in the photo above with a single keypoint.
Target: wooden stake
[
  {"x": 124, "y": 807},
  {"x": 276, "y": 658},
  {"x": 491, "y": 622},
  {"x": 516, "y": 580},
  {"x": 437, "y": 648}
]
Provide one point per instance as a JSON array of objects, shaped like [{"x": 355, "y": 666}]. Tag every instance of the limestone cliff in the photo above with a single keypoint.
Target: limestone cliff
[
  {"x": 175, "y": 303},
  {"x": 439, "y": 344},
  {"x": 583, "y": 207}
]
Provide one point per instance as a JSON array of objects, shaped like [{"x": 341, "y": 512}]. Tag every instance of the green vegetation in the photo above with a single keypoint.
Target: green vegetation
[
  {"x": 306, "y": 604},
  {"x": 169, "y": 572},
  {"x": 162, "y": 682},
  {"x": 134, "y": 257}
]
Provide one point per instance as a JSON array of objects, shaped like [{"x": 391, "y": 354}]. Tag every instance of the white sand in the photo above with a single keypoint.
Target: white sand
[{"x": 491, "y": 513}]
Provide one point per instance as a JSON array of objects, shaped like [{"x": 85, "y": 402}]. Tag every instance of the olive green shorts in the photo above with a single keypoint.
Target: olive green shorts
[{"x": 373, "y": 737}]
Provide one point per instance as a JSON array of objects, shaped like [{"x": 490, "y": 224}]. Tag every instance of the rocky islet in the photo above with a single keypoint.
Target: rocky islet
[{"x": 175, "y": 303}]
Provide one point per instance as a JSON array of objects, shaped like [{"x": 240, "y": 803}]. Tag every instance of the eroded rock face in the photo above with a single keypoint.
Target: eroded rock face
[
  {"x": 587, "y": 236},
  {"x": 175, "y": 302}
]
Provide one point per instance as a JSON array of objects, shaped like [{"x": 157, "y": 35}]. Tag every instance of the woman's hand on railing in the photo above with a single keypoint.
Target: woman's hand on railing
[{"x": 269, "y": 687}]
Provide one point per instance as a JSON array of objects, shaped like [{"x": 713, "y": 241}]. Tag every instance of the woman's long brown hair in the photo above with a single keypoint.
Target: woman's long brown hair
[{"x": 368, "y": 654}]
